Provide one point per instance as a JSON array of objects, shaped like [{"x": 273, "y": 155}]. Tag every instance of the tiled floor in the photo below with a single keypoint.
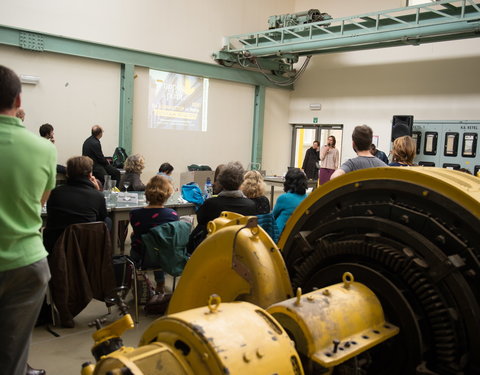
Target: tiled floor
[{"x": 64, "y": 355}]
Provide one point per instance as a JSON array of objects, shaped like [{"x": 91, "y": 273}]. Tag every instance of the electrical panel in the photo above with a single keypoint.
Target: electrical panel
[{"x": 447, "y": 144}]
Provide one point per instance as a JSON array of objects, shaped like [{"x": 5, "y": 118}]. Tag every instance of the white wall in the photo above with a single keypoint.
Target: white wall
[
  {"x": 73, "y": 94},
  {"x": 277, "y": 138},
  {"x": 184, "y": 28},
  {"x": 228, "y": 136},
  {"x": 187, "y": 29},
  {"x": 437, "y": 81}
]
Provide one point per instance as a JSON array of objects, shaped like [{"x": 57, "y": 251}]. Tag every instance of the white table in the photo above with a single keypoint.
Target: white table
[{"x": 121, "y": 212}]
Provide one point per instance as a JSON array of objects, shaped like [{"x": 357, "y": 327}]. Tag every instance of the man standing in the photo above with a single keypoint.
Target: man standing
[
  {"x": 93, "y": 149},
  {"x": 310, "y": 163},
  {"x": 361, "y": 141},
  {"x": 28, "y": 167}
]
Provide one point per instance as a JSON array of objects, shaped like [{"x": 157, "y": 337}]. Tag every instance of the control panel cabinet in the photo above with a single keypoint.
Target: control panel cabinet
[{"x": 447, "y": 144}]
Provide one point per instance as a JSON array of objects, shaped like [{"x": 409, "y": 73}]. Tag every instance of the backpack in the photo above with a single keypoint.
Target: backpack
[
  {"x": 119, "y": 157},
  {"x": 191, "y": 193}
]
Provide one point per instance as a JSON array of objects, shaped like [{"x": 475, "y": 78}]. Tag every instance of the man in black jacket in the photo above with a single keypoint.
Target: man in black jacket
[
  {"x": 93, "y": 149},
  {"x": 310, "y": 163},
  {"x": 78, "y": 201}
]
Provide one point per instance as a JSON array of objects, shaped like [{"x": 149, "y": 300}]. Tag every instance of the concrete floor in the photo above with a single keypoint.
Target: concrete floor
[{"x": 64, "y": 355}]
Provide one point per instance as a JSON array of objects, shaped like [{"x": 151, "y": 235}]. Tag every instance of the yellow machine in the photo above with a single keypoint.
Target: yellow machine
[
  {"x": 409, "y": 236},
  {"x": 319, "y": 331}
]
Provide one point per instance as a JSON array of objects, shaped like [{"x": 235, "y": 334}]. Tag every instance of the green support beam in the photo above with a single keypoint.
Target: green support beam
[
  {"x": 126, "y": 107},
  {"x": 58, "y": 44},
  {"x": 128, "y": 59},
  {"x": 258, "y": 120}
]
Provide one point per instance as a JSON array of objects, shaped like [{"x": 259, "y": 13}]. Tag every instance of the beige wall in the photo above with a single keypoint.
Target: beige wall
[
  {"x": 437, "y": 81},
  {"x": 228, "y": 137},
  {"x": 184, "y": 28},
  {"x": 277, "y": 138},
  {"x": 73, "y": 94}
]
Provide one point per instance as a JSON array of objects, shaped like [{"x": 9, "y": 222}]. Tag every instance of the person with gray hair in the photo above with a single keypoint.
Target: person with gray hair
[
  {"x": 134, "y": 166},
  {"x": 231, "y": 198}
]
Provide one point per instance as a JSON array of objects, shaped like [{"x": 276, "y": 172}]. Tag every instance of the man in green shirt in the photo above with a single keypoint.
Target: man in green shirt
[{"x": 27, "y": 168}]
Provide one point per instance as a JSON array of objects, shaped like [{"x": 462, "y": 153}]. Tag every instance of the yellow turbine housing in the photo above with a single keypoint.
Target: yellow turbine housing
[
  {"x": 238, "y": 261},
  {"x": 230, "y": 338},
  {"x": 334, "y": 324}
]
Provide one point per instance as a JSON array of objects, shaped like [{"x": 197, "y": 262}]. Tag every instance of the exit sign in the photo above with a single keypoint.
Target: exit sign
[{"x": 315, "y": 120}]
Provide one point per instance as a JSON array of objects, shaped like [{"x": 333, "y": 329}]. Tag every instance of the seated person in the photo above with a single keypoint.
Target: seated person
[
  {"x": 166, "y": 170},
  {"x": 93, "y": 149},
  {"x": 229, "y": 199},
  {"x": 78, "y": 201},
  {"x": 134, "y": 166},
  {"x": 46, "y": 131},
  {"x": 295, "y": 187},
  {"x": 217, "y": 188},
  {"x": 254, "y": 188},
  {"x": 157, "y": 192}
]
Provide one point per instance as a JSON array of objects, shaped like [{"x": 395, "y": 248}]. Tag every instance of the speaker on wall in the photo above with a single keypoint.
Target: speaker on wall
[{"x": 401, "y": 125}]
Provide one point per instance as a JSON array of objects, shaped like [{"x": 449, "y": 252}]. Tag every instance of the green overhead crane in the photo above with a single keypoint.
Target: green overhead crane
[{"x": 279, "y": 48}]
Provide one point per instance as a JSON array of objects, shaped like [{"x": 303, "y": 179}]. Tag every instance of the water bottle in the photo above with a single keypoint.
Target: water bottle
[{"x": 208, "y": 192}]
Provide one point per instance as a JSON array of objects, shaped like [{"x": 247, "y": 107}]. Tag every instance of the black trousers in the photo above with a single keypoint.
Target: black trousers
[{"x": 99, "y": 171}]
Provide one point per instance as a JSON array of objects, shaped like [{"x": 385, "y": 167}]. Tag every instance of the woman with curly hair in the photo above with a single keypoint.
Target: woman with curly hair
[
  {"x": 295, "y": 188},
  {"x": 254, "y": 188},
  {"x": 404, "y": 151},
  {"x": 134, "y": 166},
  {"x": 157, "y": 192}
]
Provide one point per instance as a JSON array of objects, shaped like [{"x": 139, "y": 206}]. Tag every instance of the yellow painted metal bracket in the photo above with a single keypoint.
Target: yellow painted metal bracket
[{"x": 334, "y": 324}]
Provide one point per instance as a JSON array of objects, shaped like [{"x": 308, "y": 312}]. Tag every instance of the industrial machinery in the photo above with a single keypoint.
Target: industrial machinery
[
  {"x": 300, "y": 18},
  {"x": 292, "y": 36},
  {"x": 308, "y": 334},
  {"x": 409, "y": 236}
]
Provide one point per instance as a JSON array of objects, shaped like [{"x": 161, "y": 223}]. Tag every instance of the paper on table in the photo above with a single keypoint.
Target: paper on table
[{"x": 130, "y": 198}]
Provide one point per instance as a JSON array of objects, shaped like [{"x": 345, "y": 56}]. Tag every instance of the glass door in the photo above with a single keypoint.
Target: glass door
[{"x": 304, "y": 135}]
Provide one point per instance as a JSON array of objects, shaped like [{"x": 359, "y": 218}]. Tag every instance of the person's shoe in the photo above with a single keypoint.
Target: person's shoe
[{"x": 33, "y": 371}]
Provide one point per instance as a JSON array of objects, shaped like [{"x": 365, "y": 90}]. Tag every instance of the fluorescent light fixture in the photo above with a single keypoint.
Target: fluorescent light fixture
[
  {"x": 30, "y": 80},
  {"x": 315, "y": 107}
]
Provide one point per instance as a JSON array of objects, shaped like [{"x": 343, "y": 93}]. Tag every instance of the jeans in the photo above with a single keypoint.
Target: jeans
[{"x": 22, "y": 291}]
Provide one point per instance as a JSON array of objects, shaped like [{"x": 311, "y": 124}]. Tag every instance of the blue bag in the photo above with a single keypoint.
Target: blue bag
[{"x": 192, "y": 193}]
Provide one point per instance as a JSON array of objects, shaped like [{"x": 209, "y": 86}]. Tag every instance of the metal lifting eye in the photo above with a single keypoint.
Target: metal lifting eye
[
  {"x": 347, "y": 279},
  {"x": 214, "y": 303}
]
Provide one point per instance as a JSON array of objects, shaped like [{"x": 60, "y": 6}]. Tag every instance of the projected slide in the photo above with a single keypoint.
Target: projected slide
[{"x": 177, "y": 101}]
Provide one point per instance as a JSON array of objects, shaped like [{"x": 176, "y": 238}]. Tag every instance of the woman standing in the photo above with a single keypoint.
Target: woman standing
[{"x": 329, "y": 156}]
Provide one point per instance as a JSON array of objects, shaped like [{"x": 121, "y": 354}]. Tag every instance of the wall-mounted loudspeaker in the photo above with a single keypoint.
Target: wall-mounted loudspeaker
[{"x": 401, "y": 125}]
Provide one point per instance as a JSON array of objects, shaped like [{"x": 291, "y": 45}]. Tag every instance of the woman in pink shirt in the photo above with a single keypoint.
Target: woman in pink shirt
[{"x": 329, "y": 156}]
